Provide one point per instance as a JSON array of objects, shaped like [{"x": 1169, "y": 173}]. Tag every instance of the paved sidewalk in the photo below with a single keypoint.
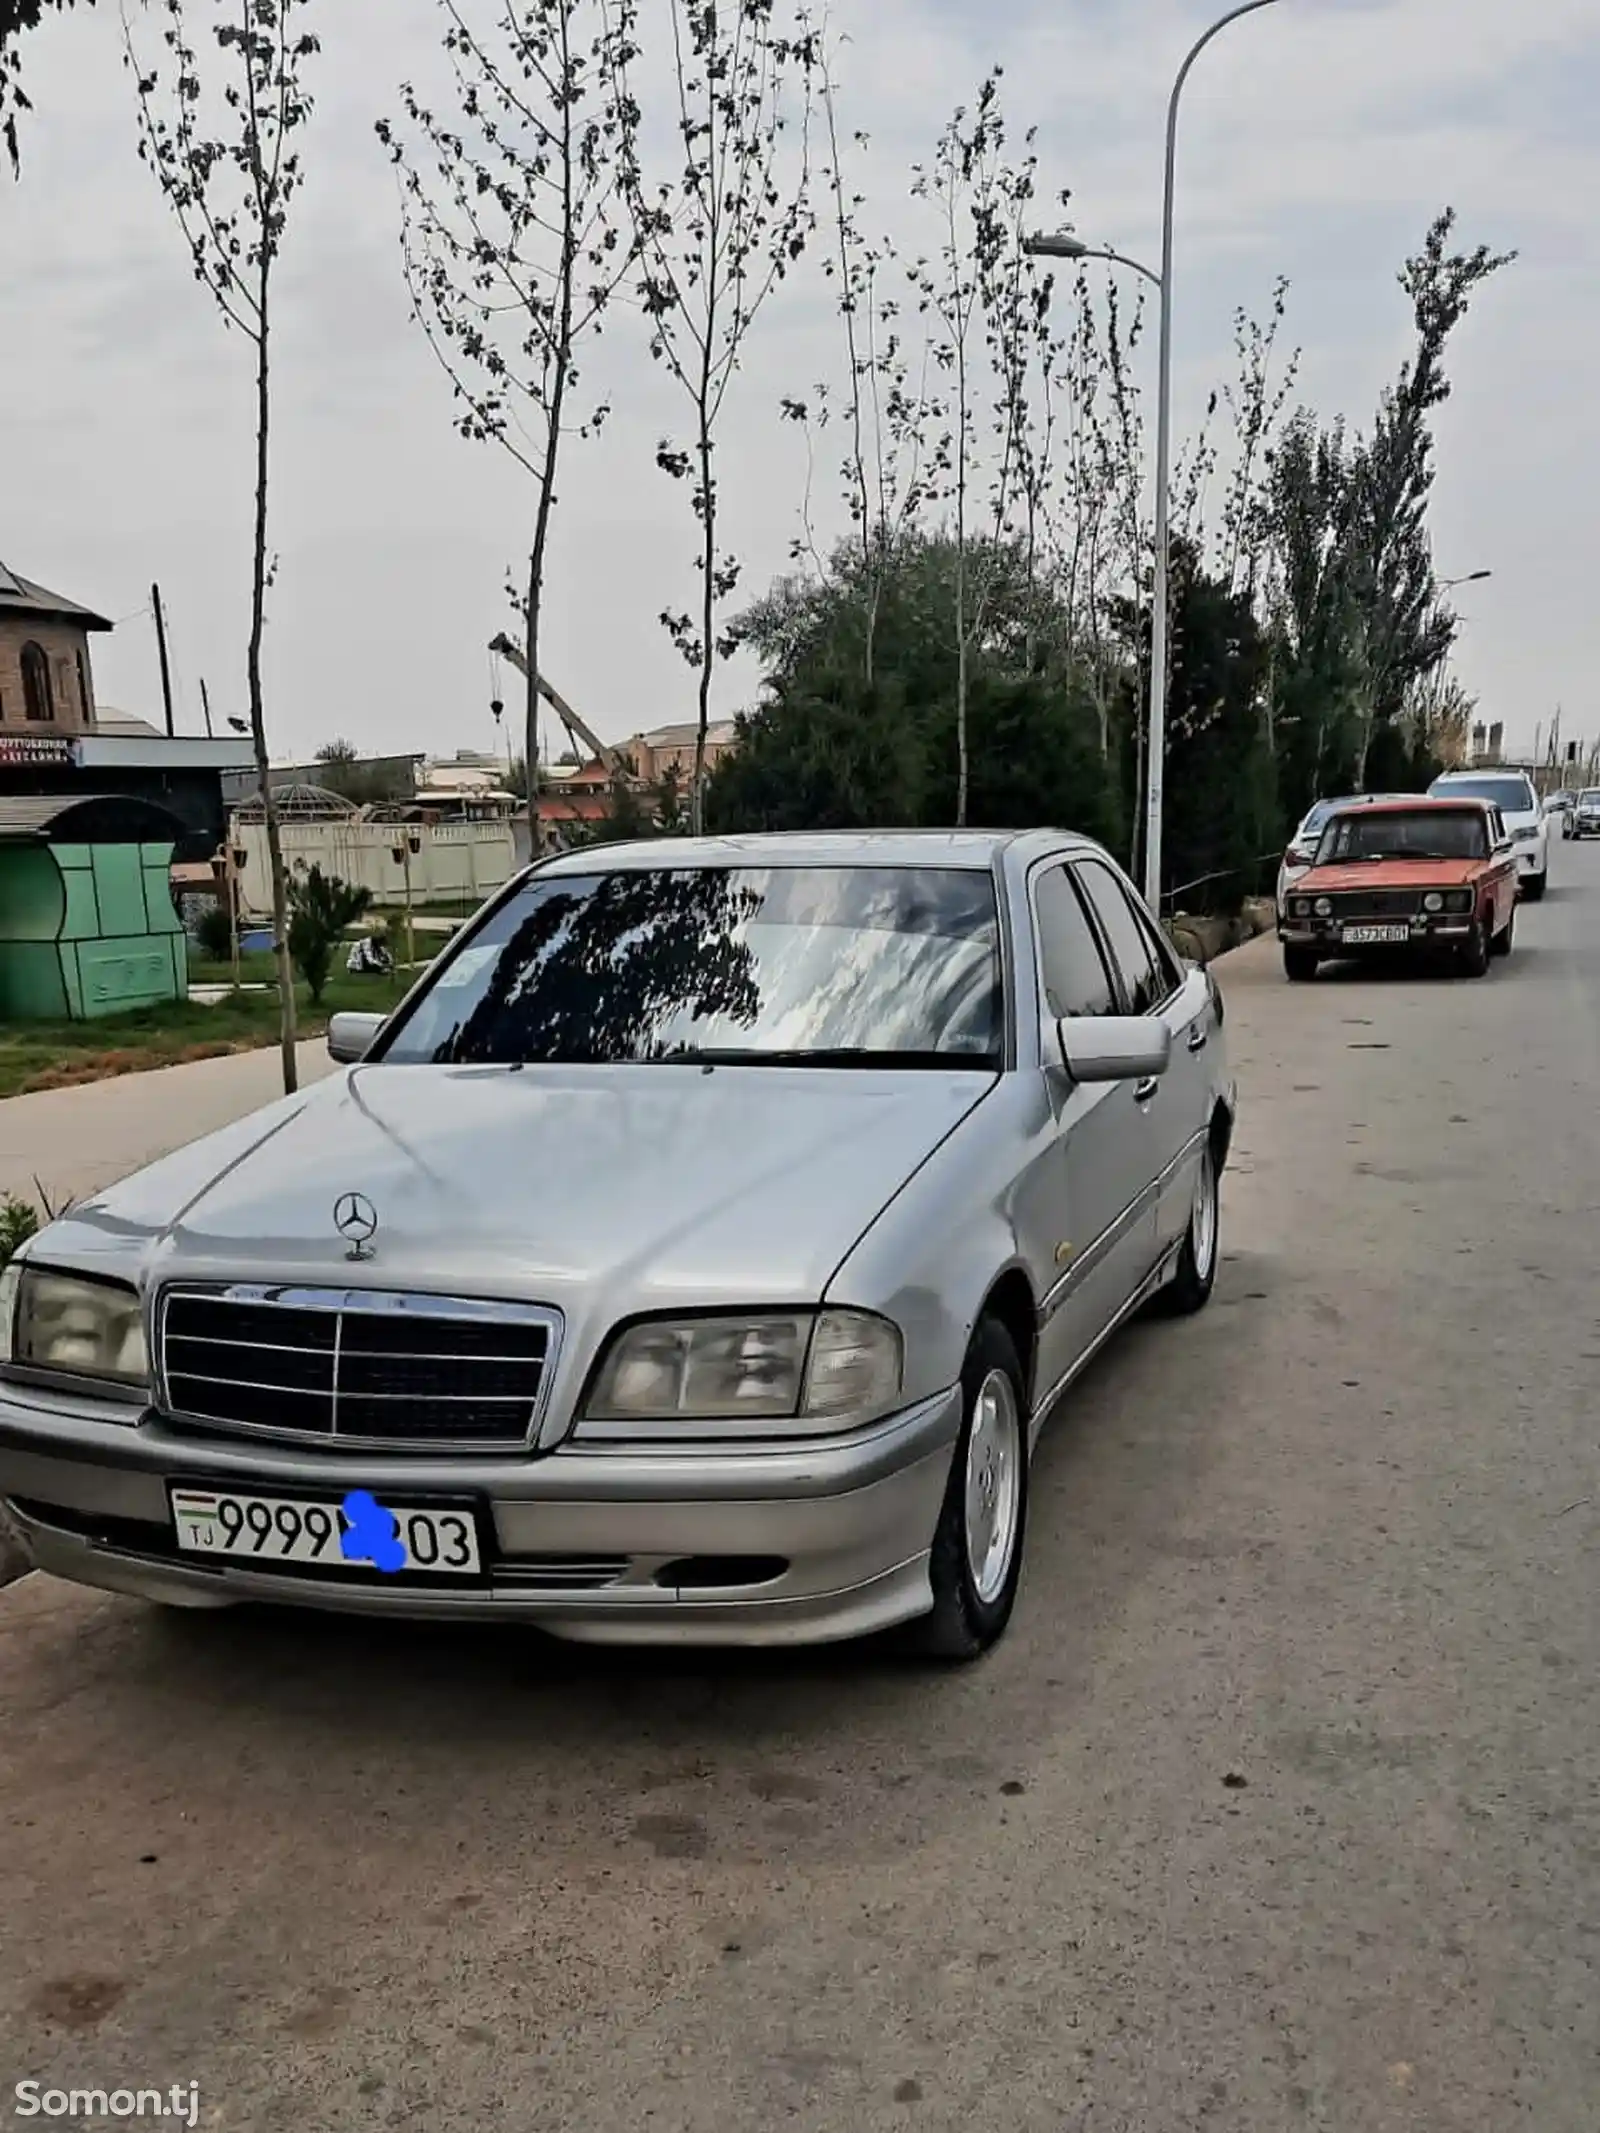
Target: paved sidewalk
[{"x": 75, "y": 1141}]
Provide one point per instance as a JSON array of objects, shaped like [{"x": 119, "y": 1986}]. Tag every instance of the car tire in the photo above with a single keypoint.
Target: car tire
[
  {"x": 1190, "y": 1287},
  {"x": 1535, "y": 886},
  {"x": 974, "y": 1585},
  {"x": 1501, "y": 944},
  {"x": 1300, "y": 965},
  {"x": 1475, "y": 954}
]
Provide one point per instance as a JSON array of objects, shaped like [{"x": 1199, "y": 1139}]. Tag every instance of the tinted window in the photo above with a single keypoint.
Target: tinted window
[
  {"x": 1142, "y": 984},
  {"x": 1514, "y": 796},
  {"x": 794, "y": 965},
  {"x": 1425, "y": 833},
  {"x": 1076, "y": 981}
]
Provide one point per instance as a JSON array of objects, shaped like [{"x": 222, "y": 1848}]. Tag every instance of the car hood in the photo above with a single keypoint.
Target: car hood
[
  {"x": 1391, "y": 874},
  {"x": 622, "y": 1188}
]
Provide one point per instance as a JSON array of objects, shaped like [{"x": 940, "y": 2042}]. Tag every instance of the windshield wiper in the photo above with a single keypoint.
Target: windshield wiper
[{"x": 836, "y": 1056}]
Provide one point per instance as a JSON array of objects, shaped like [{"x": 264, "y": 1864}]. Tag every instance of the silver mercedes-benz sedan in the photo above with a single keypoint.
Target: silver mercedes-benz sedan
[{"x": 693, "y": 1256}]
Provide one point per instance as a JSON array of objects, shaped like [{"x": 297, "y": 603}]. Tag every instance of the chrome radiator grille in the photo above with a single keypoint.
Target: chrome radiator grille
[{"x": 361, "y": 1366}]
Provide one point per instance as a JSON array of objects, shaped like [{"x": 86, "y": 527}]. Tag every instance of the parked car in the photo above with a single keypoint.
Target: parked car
[
  {"x": 694, "y": 1255},
  {"x": 1584, "y": 821},
  {"x": 1523, "y": 813},
  {"x": 1302, "y": 852},
  {"x": 1415, "y": 877}
]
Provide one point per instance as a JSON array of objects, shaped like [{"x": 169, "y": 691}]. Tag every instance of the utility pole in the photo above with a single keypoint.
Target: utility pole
[
  {"x": 161, "y": 646},
  {"x": 205, "y": 705}
]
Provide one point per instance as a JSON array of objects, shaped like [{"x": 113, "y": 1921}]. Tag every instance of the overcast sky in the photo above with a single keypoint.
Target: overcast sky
[{"x": 1320, "y": 137}]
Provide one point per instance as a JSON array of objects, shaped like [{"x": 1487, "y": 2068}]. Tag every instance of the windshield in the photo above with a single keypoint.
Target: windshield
[
  {"x": 835, "y": 966},
  {"x": 1513, "y": 796},
  {"x": 1591, "y": 798},
  {"x": 1429, "y": 833}
]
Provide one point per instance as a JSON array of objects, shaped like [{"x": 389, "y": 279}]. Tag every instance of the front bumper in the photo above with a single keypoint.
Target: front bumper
[
  {"x": 1530, "y": 860},
  {"x": 781, "y": 1545},
  {"x": 1442, "y": 932}
]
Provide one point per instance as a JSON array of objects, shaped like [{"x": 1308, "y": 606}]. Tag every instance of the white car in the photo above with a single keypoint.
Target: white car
[
  {"x": 1302, "y": 852},
  {"x": 1527, "y": 824},
  {"x": 1585, "y": 819}
]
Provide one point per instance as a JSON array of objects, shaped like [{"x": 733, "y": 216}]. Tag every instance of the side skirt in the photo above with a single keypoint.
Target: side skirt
[{"x": 1157, "y": 1278}]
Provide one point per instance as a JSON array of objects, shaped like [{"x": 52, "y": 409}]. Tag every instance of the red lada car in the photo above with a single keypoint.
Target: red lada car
[{"x": 1419, "y": 877}]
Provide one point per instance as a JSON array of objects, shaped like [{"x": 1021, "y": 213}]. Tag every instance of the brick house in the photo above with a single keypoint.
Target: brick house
[
  {"x": 46, "y": 681},
  {"x": 55, "y": 743}
]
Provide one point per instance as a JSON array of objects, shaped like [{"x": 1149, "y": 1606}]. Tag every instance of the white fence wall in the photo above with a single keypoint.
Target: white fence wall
[{"x": 458, "y": 860}]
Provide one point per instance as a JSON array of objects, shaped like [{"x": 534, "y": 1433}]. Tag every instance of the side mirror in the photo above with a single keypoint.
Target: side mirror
[
  {"x": 1113, "y": 1047},
  {"x": 352, "y": 1036}
]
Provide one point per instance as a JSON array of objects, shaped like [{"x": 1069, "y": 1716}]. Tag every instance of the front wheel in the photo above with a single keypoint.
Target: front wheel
[
  {"x": 1475, "y": 955},
  {"x": 1300, "y": 965},
  {"x": 976, "y": 1560},
  {"x": 1190, "y": 1287},
  {"x": 1535, "y": 885}
]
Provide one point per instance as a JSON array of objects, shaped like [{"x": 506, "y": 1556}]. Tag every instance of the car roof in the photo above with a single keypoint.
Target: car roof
[
  {"x": 1486, "y": 776},
  {"x": 1429, "y": 803},
  {"x": 1352, "y": 799},
  {"x": 976, "y": 851}
]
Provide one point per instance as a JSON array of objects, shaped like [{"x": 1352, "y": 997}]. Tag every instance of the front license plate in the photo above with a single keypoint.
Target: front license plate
[
  {"x": 355, "y": 1532},
  {"x": 1373, "y": 936}
]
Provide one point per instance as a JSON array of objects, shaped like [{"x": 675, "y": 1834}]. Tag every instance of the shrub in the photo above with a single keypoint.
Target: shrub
[
  {"x": 214, "y": 934},
  {"x": 18, "y": 1222},
  {"x": 321, "y": 906}
]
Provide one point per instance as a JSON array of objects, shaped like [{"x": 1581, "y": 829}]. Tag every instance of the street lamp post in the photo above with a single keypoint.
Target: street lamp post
[
  {"x": 1068, "y": 247},
  {"x": 1473, "y": 577}
]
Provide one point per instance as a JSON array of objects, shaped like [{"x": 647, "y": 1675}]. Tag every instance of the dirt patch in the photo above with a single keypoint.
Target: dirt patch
[{"x": 105, "y": 1066}]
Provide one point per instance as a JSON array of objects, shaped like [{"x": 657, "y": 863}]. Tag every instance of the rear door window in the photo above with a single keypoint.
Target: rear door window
[{"x": 1144, "y": 985}]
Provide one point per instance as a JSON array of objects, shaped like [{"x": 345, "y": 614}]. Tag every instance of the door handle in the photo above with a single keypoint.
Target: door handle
[
  {"x": 1199, "y": 1038},
  {"x": 1147, "y": 1090}
]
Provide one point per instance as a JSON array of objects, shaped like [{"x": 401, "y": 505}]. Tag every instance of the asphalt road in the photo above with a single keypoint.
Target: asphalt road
[{"x": 1278, "y": 1808}]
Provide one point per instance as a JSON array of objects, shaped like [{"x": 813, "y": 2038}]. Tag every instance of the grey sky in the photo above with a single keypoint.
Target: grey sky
[{"x": 1320, "y": 138}]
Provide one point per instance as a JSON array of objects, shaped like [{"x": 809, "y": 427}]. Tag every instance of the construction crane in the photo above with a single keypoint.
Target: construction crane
[{"x": 615, "y": 763}]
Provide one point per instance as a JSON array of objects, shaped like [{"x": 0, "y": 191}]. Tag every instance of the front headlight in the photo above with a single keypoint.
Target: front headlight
[
  {"x": 812, "y": 1371},
  {"x": 10, "y": 1276},
  {"x": 1300, "y": 908},
  {"x": 1433, "y": 901},
  {"x": 76, "y": 1328},
  {"x": 1458, "y": 900},
  {"x": 1324, "y": 907},
  {"x": 1527, "y": 834}
]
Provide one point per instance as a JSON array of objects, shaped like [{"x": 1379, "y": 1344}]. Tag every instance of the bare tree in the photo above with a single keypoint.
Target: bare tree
[
  {"x": 889, "y": 416},
  {"x": 972, "y": 288},
  {"x": 219, "y": 135},
  {"x": 716, "y": 233},
  {"x": 515, "y": 241}
]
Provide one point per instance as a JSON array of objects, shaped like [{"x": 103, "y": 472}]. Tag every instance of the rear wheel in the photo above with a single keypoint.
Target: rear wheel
[
  {"x": 1501, "y": 944},
  {"x": 1300, "y": 965},
  {"x": 976, "y": 1560},
  {"x": 1475, "y": 954}
]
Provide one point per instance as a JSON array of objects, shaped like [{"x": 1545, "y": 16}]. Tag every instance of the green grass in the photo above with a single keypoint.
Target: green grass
[
  {"x": 54, "y": 1055},
  {"x": 448, "y": 907}
]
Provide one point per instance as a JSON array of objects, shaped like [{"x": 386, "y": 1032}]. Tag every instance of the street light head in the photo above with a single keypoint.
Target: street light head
[{"x": 1061, "y": 245}]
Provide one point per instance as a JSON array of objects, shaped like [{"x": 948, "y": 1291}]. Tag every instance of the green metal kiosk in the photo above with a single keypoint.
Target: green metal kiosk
[{"x": 87, "y": 922}]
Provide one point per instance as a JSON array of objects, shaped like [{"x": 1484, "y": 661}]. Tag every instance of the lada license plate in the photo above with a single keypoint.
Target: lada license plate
[{"x": 1373, "y": 936}]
